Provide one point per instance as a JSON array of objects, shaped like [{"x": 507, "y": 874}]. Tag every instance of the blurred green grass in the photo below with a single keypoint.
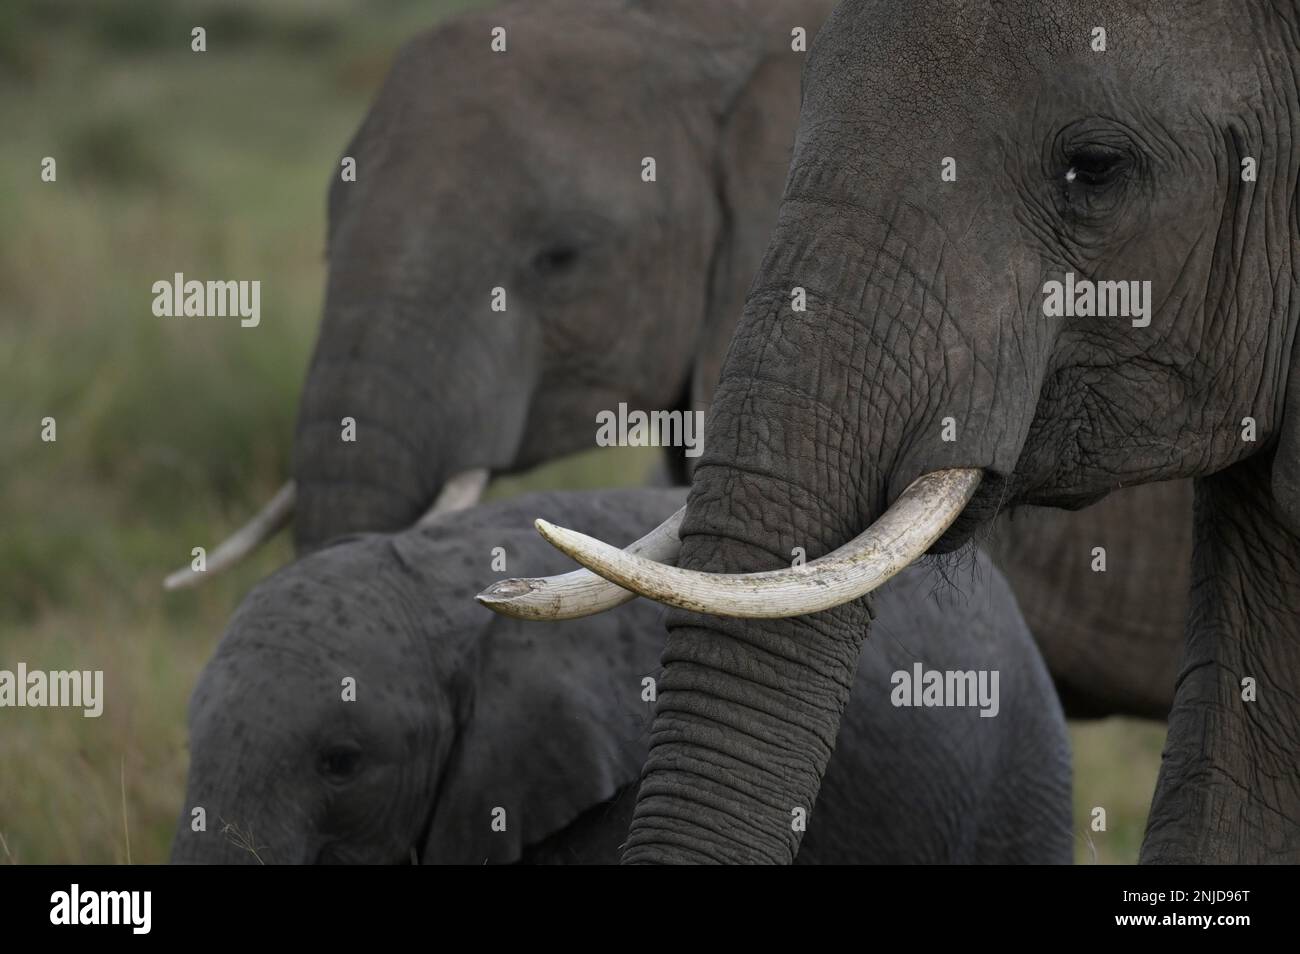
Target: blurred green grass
[
  {"x": 170, "y": 434},
  {"x": 1115, "y": 767}
]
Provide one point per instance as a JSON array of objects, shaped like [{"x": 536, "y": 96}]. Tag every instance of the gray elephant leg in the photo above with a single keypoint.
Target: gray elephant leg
[{"x": 1229, "y": 786}]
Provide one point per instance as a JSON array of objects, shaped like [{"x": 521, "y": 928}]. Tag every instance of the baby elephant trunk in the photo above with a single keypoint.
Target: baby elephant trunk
[{"x": 203, "y": 838}]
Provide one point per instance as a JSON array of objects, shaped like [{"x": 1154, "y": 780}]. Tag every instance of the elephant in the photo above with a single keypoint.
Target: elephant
[
  {"x": 409, "y": 350},
  {"x": 471, "y": 738},
  {"x": 508, "y": 263},
  {"x": 966, "y": 179},
  {"x": 1112, "y": 635}
]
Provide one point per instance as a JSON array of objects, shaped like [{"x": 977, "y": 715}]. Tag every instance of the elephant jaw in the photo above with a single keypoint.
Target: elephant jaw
[
  {"x": 460, "y": 492},
  {"x": 902, "y": 534}
]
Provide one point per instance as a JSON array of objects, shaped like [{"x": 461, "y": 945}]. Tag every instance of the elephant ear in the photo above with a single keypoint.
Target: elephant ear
[
  {"x": 1286, "y": 459},
  {"x": 756, "y": 111},
  {"x": 555, "y": 725}
]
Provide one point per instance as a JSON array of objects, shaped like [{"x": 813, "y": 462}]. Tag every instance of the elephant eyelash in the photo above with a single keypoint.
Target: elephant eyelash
[
  {"x": 1092, "y": 187},
  {"x": 340, "y": 762},
  {"x": 1096, "y": 168},
  {"x": 1084, "y": 177}
]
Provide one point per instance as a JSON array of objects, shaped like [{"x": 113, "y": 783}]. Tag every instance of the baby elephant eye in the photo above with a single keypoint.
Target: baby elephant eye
[
  {"x": 340, "y": 762},
  {"x": 556, "y": 260}
]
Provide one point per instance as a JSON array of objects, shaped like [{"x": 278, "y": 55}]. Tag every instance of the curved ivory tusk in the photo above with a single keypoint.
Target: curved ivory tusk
[
  {"x": 580, "y": 593},
  {"x": 902, "y": 534},
  {"x": 243, "y": 541},
  {"x": 460, "y": 492}
]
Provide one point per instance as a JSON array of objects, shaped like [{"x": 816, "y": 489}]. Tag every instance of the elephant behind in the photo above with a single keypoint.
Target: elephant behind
[
  {"x": 538, "y": 234},
  {"x": 361, "y": 708},
  {"x": 522, "y": 171},
  {"x": 1105, "y": 592}
]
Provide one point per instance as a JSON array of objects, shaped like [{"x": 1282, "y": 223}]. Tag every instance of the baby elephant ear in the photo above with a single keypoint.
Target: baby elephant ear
[
  {"x": 1286, "y": 459},
  {"x": 555, "y": 729}
]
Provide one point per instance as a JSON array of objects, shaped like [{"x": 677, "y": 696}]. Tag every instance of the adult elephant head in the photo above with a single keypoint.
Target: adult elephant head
[
  {"x": 556, "y": 208},
  {"x": 1121, "y": 142}
]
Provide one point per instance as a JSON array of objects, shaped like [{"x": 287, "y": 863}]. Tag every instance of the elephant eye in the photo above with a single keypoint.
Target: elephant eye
[
  {"x": 556, "y": 260},
  {"x": 1095, "y": 166},
  {"x": 340, "y": 762}
]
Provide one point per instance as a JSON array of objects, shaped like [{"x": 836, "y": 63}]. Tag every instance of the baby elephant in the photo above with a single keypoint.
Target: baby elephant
[{"x": 363, "y": 708}]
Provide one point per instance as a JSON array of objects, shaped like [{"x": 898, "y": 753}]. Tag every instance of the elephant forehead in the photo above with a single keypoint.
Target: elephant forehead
[
  {"x": 943, "y": 51},
  {"x": 335, "y": 587},
  {"x": 270, "y": 657},
  {"x": 349, "y": 604},
  {"x": 261, "y": 689},
  {"x": 558, "y": 49}
]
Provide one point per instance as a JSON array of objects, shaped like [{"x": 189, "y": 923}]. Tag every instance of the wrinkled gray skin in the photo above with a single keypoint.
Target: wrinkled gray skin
[
  {"x": 478, "y": 169},
  {"x": 459, "y": 711},
  {"x": 925, "y": 301}
]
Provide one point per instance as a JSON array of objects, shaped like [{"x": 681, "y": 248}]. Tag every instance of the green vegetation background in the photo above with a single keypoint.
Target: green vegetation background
[{"x": 170, "y": 434}]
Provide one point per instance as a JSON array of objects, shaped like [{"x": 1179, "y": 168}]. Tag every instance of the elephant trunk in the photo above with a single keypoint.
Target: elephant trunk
[
  {"x": 747, "y": 714},
  {"x": 212, "y": 831},
  {"x": 820, "y": 422},
  {"x": 365, "y": 457},
  {"x": 392, "y": 411},
  {"x": 224, "y": 845},
  {"x": 358, "y": 466}
]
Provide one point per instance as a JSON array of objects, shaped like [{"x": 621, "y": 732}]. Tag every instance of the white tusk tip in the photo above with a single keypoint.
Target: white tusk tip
[
  {"x": 514, "y": 598},
  {"x": 505, "y": 591},
  {"x": 557, "y": 537},
  {"x": 560, "y": 536},
  {"x": 180, "y": 579}
]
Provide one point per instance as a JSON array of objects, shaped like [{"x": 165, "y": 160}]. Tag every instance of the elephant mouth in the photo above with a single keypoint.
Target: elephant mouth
[
  {"x": 990, "y": 499},
  {"x": 999, "y": 493},
  {"x": 912, "y": 525},
  {"x": 460, "y": 492}
]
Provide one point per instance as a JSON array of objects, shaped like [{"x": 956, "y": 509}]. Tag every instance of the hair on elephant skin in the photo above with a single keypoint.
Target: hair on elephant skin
[
  {"x": 461, "y": 718},
  {"x": 957, "y": 167}
]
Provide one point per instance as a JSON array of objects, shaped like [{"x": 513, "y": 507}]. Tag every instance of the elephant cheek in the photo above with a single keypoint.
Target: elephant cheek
[{"x": 250, "y": 841}]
